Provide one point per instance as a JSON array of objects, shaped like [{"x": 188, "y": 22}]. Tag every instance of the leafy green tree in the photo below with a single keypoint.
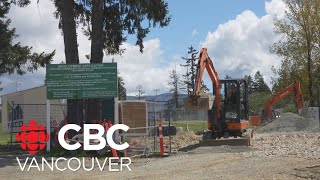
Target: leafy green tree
[
  {"x": 299, "y": 47},
  {"x": 14, "y": 57}
]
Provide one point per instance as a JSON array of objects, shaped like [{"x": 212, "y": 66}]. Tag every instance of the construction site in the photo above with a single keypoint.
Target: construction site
[
  {"x": 213, "y": 137},
  {"x": 213, "y": 115}
]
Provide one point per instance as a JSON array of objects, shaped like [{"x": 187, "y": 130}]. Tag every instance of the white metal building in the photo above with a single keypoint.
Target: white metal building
[{"x": 20, "y": 107}]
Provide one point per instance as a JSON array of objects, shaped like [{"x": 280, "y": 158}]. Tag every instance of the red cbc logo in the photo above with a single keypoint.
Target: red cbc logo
[{"x": 32, "y": 137}]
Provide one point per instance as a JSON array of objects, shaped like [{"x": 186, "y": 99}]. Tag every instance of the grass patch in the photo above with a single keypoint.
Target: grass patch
[
  {"x": 4, "y": 137},
  {"x": 194, "y": 126}
]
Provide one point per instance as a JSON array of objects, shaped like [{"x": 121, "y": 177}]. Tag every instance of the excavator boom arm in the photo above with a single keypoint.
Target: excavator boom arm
[
  {"x": 206, "y": 63},
  {"x": 293, "y": 88}
]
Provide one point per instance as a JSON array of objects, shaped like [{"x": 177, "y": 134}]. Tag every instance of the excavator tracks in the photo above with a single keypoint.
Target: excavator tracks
[
  {"x": 245, "y": 140},
  {"x": 226, "y": 141}
]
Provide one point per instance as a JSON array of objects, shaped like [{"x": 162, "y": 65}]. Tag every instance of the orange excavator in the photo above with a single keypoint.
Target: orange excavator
[
  {"x": 227, "y": 117},
  {"x": 268, "y": 114}
]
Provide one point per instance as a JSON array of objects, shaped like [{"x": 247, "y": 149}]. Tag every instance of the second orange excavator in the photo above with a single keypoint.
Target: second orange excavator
[{"x": 269, "y": 114}]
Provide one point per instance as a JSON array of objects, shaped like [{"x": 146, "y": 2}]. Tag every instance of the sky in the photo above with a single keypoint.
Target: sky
[{"x": 237, "y": 34}]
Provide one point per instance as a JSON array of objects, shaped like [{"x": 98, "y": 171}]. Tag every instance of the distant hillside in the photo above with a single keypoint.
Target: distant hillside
[{"x": 160, "y": 97}]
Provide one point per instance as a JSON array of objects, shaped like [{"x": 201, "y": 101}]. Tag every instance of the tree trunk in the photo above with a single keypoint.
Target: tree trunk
[
  {"x": 97, "y": 40},
  {"x": 69, "y": 32},
  {"x": 74, "y": 112},
  {"x": 310, "y": 83},
  {"x": 97, "y": 32}
]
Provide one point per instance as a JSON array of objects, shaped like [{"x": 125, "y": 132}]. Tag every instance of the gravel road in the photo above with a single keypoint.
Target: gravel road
[
  {"x": 201, "y": 163},
  {"x": 275, "y": 154}
]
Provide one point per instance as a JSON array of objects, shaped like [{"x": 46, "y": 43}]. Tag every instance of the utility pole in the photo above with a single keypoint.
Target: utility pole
[
  {"x": 156, "y": 90},
  {"x": 16, "y": 83},
  {"x": 319, "y": 106},
  {"x": 1, "y": 88},
  {"x": 154, "y": 119}
]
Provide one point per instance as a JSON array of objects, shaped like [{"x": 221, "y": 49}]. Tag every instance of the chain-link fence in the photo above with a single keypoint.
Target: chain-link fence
[
  {"x": 173, "y": 120},
  {"x": 192, "y": 120},
  {"x": 21, "y": 114},
  {"x": 184, "y": 124}
]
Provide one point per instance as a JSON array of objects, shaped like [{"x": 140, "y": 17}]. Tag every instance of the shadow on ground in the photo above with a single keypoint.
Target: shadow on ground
[
  {"x": 189, "y": 148},
  {"x": 312, "y": 172},
  {"x": 8, "y": 155}
]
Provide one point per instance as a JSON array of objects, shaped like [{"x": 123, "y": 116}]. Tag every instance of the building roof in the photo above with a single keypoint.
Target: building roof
[{"x": 21, "y": 91}]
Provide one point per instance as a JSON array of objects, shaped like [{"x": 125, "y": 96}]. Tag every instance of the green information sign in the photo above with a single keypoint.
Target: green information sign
[{"x": 77, "y": 81}]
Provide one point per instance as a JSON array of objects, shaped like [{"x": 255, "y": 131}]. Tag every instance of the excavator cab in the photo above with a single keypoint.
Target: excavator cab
[
  {"x": 234, "y": 96},
  {"x": 234, "y": 109},
  {"x": 234, "y": 106}
]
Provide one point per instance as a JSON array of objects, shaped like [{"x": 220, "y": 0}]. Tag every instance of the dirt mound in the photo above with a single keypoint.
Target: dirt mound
[
  {"x": 180, "y": 140},
  {"x": 289, "y": 122},
  {"x": 183, "y": 139}
]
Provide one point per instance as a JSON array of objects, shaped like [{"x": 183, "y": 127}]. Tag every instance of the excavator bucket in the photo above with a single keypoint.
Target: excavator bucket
[{"x": 194, "y": 103}]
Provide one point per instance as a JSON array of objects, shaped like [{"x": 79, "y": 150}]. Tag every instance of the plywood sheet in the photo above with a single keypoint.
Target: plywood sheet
[{"x": 134, "y": 115}]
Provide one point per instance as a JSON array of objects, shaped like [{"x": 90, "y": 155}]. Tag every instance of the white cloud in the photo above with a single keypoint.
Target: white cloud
[
  {"x": 275, "y": 8},
  {"x": 144, "y": 69},
  {"x": 241, "y": 46},
  {"x": 194, "y": 33}
]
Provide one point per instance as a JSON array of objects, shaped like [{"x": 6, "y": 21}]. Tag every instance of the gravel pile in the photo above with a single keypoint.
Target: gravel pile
[
  {"x": 288, "y": 136},
  {"x": 286, "y": 144},
  {"x": 290, "y": 122}
]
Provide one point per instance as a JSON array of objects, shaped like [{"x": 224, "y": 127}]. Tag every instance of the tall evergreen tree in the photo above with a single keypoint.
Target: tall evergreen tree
[
  {"x": 14, "y": 57},
  {"x": 66, "y": 13},
  {"x": 204, "y": 88},
  {"x": 249, "y": 80},
  {"x": 191, "y": 66},
  {"x": 175, "y": 88},
  {"x": 259, "y": 85},
  {"x": 140, "y": 92},
  {"x": 122, "y": 91},
  {"x": 227, "y": 77},
  {"x": 107, "y": 25},
  {"x": 191, "y": 72}
]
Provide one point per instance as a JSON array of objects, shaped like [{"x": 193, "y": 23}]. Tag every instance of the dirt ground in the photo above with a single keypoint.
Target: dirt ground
[{"x": 273, "y": 154}]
